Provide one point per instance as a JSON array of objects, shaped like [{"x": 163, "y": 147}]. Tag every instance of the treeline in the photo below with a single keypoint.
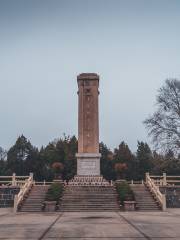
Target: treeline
[{"x": 23, "y": 158}]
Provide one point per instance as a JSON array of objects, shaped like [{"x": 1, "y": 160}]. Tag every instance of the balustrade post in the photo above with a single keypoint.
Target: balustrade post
[
  {"x": 147, "y": 176},
  {"x": 163, "y": 202},
  {"x": 132, "y": 182},
  {"x": 31, "y": 175},
  {"x": 142, "y": 182},
  {"x": 14, "y": 179},
  {"x": 15, "y": 203},
  {"x": 164, "y": 179}
]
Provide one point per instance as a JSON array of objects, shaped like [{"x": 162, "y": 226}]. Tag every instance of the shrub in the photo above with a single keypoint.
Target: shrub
[
  {"x": 125, "y": 192},
  {"x": 54, "y": 192}
]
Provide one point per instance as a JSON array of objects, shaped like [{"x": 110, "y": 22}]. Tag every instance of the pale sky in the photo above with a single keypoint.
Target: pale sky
[{"x": 44, "y": 44}]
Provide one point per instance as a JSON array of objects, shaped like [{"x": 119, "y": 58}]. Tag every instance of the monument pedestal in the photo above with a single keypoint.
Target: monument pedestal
[{"x": 88, "y": 164}]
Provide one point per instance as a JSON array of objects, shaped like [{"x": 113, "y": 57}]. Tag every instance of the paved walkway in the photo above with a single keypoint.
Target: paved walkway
[{"x": 91, "y": 226}]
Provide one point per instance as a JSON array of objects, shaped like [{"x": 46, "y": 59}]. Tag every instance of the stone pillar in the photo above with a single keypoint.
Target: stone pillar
[
  {"x": 164, "y": 179},
  {"x": 88, "y": 156},
  {"x": 14, "y": 183}
]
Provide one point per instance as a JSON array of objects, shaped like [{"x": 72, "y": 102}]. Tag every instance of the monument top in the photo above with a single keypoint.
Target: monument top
[{"x": 88, "y": 76}]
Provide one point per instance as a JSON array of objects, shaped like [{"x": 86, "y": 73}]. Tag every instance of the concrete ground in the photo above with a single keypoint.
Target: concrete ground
[{"x": 91, "y": 225}]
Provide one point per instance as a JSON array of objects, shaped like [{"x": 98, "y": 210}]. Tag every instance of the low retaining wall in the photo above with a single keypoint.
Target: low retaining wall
[
  {"x": 172, "y": 196},
  {"x": 7, "y": 196}
]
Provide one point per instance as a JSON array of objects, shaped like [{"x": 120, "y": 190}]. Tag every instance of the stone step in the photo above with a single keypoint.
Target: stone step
[
  {"x": 27, "y": 210},
  {"x": 34, "y": 201},
  {"x": 99, "y": 191},
  {"x": 145, "y": 206},
  {"x": 33, "y": 205},
  {"x": 38, "y": 193},
  {"x": 149, "y": 208},
  {"x": 35, "y": 198},
  {"x": 144, "y": 199},
  {"x": 90, "y": 194},
  {"x": 84, "y": 207},
  {"x": 89, "y": 198},
  {"x": 88, "y": 204},
  {"x": 88, "y": 209}
]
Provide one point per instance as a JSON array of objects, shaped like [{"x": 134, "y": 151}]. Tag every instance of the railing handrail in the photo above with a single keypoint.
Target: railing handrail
[
  {"x": 42, "y": 182},
  {"x": 12, "y": 177},
  {"x": 20, "y": 196},
  {"x": 167, "y": 176},
  {"x": 156, "y": 192},
  {"x": 13, "y": 180},
  {"x": 165, "y": 180}
]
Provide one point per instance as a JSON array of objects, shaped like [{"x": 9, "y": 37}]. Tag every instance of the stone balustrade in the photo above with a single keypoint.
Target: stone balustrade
[
  {"x": 13, "y": 180},
  {"x": 161, "y": 198},
  {"x": 90, "y": 180},
  {"x": 24, "y": 190}
]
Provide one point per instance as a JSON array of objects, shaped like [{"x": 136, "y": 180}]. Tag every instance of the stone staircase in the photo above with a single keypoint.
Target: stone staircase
[
  {"x": 35, "y": 199},
  {"x": 144, "y": 199},
  {"x": 89, "y": 198}
]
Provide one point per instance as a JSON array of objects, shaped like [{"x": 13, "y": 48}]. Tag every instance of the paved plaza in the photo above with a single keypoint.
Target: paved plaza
[{"x": 91, "y": 225}]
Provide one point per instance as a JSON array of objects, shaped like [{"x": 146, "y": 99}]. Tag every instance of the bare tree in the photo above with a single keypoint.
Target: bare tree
[
  {"x": 164, "y": 125},
  {"x": 3, "y": 154}
]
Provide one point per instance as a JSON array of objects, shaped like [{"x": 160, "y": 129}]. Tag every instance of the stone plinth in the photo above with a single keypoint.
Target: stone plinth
[{"x": 88, "y": 164}]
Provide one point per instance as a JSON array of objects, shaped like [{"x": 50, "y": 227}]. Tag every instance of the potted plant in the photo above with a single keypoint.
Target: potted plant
[
  {"x": 120, "y": 169},
  {"x": 53, "y": 197},
  {"x": 58, "y": 168},
  {"x": 126, "y": 196}
]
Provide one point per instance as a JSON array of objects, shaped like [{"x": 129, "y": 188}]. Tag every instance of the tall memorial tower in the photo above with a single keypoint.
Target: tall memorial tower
[{"x": 88, "y": 156}]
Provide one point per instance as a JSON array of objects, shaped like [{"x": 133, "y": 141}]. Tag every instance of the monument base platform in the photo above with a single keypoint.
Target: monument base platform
[{"x": 88, "y": 164}]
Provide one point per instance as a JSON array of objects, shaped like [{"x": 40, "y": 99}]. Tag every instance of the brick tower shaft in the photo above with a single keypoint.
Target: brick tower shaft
[{"x": 88, "y": 120}]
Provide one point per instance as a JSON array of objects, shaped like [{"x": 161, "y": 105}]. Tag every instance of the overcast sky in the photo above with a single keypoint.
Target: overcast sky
[{"x": 133, "y": 45}]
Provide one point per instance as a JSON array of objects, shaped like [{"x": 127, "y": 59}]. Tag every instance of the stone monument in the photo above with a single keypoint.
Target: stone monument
[{"x": 88, "y": 156}]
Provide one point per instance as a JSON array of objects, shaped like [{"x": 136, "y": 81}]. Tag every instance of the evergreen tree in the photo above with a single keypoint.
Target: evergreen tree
[
  {"x": 124, "y": 155},
  {"x": 21, "y": 158},
  {"x": 62, "y": 150},
  {"x": 144, "y": 158},
  {"x": 70, "y": 162},
  {"x": 3, "y": 154},
  {"x": 3, "y": 162},
  {"x": 106, "y": 162}
]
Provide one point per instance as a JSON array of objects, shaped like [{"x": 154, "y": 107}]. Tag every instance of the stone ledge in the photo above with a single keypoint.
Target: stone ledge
[{"x": 88, "y": 155}]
